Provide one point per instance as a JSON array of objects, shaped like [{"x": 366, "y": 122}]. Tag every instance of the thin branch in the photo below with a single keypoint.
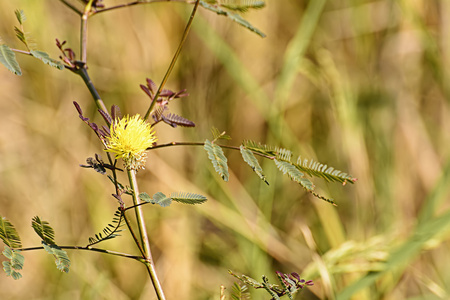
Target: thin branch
[
  {"x": 83, "y": 31},
  {"x": 126, "y": 255},
  {"x": 76, "y": 10},
  {"x": 133, "y": 4},
  {"x": 21, "y": 51},
  {"x": 174, "y": 59},
  {"x": 82, "y": 71},
  {"x": 203, "y": 144}
]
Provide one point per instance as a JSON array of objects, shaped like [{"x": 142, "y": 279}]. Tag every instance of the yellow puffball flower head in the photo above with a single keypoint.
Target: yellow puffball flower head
[{"x": 129, "y": 138}]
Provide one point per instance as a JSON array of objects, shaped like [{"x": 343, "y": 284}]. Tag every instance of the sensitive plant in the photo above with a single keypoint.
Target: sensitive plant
[{"x": 127, "y": 142}]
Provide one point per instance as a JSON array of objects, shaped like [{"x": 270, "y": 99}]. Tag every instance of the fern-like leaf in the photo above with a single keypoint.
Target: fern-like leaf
[
  {"x": 46, "y": 59},
  {"x": 251, "y": 160},
  {"x": 161, "y": 199},
  {"x": 15, "y": 263},
  {"x": 8, "y": 59},
  {"x": 240, "y": 292},
  {"x": 62, "y": 261},
  {"x": 8, "y": 234},
  {"x": 43, "y": 229},
  {"x": 218, "y": 159},
  {"x": 217, "y": 135},
  {"x": 111, "y": 231},
  {"x": 242, "y": 5},
  {"x": 188, "y": 198},
  {"x": 247, "y": 280},
  {"x": 20, "y": 16},
  {"x": 233, "y": 16},
  {"x": 175, "y": 120},
  {"x": 317, "y": 169},
  {"x": 294, "y": 174},
  {"x": 261, "y": 149},
  {"x": 146, "y": 197}
]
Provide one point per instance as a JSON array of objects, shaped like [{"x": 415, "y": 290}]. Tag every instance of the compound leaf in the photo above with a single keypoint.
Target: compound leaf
[
  {"x": 294, "y": 174},
  {"x": 242, "y": 5},
  {"x": 145, "y": 197},
  {"x": 240, "y": 292},
  {"x": 317, "y": 169},
  {"x": 8, "y": 59},
  {"x": 188, "y": 198},
  {"x": 218, "y": 159},
  {"x": 20, "y": 15},
  {"x": 15, "y": 263},
  {"x": 251, "y": 160},
  {"x": 175, "y": 120},
  {"x": 111, "y": 231},
  {"x": 46, "y": 59},
  {"x": 61, "y": 259},
  {"x": 43, "y": 229},
  {"x": 161, "y": 199},
  {"x": 233, "y": 16},
  {"x": 8, "y": 234}
]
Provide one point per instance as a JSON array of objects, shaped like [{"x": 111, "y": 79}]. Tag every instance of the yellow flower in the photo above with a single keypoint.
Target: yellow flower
[{"x": 130, "y": 137}]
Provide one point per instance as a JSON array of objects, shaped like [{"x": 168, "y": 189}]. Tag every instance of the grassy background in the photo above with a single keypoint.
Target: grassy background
[{"x": 359, "y": 85}]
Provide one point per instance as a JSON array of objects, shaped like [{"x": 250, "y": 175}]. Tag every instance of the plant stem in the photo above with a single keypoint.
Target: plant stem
[
  {"x": 144, "y": 237},
  {"x": 174, "y": 59},
  {"x": 87, "y": 80},
  {"x": 72, "y": 7},
  {"x": 88, "y": 248},
  {"x": 83, "y": 31}
]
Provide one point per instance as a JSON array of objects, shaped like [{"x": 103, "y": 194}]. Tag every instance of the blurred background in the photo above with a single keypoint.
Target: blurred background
[{"x": 359, "y": 85}]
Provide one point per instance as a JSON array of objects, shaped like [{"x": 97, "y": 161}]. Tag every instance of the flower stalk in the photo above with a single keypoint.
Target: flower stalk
[{"x": 144, "y": 236}]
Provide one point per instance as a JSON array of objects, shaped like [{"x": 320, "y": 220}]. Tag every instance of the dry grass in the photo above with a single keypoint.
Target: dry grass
[{"x": 359, "y": 85}]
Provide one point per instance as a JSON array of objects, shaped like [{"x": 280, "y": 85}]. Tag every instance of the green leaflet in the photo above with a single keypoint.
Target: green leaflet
[
  {"x": 145, "y": 197},
  {"x": 9, "y": 234},
  {"x": 314, "y": 168},
  {"x": 61, "y": 259},
  {"x": 233, "y": 16},
  {"x": 43, "y": 229},
  {"x": 310, "y": 167},
  {"x": 188, "y": 198},
  {"x": 15, "y": 263},
  {"x": 46, "y": 59},
  {"x": 294, "y": 174},
  {"x": 8, "y": 59},
  {"x": 161, "y": 199},
  {"x": 251, "y": 160},
  {"x": 20, "y": 15},
  {"x": 240, "y": 292},
  {"x": 218, "y": 159},
  {"x": 269, "y": 288},
  {"x": 242, "y": 5},
  {"x": 164, "y": 201}
]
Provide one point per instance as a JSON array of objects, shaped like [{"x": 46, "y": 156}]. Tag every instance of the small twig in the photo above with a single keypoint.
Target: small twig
[
  {"x": 76, "y": 10},
  {"x": 82, "y": 71},
  {"x": 203, "y": 144},
  {"x": 132, "y": 4},
  {"x": 174, "y": 59},
  {"x": 83, "y": 31},
  {"x": 88, "y": 248}
]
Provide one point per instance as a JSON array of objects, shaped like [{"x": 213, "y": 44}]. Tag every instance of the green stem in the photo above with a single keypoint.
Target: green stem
[
  {"x": 203, "y": 144},
  {"x": 174, "y": 59},
  {"x": 105, "y": 251},
  {"x": 129, "y": 4},
  {"x": 87, "y": 80},
  {"x": 144, "y": 236}
]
